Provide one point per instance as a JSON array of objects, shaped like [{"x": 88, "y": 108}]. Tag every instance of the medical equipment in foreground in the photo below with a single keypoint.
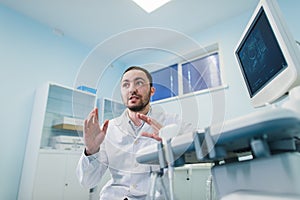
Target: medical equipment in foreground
[{"x": 255, "y": 156}]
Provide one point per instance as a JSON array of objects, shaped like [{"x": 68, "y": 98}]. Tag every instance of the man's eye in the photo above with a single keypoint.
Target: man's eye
[
  {"x": 140, "y": 83},
  {"x": 125, "y": 85}
]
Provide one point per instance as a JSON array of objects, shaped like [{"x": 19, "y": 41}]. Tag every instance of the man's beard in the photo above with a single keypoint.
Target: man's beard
[{"x": 141, "y": 106}]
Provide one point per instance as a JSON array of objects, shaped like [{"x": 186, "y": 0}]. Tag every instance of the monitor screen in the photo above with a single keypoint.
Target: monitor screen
[
  {"x": 260, "y": 56},
  {"x": 267, "y": 55}
]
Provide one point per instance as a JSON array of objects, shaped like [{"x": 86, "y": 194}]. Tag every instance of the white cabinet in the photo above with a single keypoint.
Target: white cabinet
[
  {"x": 193, "y": 182},
  {"x": 54, "y": 144},
  {"x": 58, "y": 181}
]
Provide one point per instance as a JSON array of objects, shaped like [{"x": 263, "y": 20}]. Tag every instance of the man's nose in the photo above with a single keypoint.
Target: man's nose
[{"x": 132, "y": 88}]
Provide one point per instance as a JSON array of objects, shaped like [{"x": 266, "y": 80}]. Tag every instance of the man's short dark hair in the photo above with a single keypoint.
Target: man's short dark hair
[{"x": 141, "y": 69}]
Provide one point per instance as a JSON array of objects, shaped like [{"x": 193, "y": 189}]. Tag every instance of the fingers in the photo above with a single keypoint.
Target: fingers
[
  {"x": 145, "y": 118},
  {"x": 96, "y": 113},
  {"x": 153, "y": 123},
  {"x": 152, "y": 135},
  {"x": 104, "y": 126},
  {"x": 157, "y": 126},
  {"x": 85, "y": 125},
  {"x": 93, "y": 117}
]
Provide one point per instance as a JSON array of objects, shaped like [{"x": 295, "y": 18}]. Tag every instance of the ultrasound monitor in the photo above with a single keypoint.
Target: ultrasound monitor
[{"x": 268, "y": 55}]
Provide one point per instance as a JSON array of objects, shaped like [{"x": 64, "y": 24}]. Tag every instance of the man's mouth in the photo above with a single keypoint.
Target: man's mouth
[{"x": 133, "y": 98}]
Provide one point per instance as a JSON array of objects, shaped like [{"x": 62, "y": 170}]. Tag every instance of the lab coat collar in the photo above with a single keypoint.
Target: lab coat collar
[{"x": 123, "y": 121}]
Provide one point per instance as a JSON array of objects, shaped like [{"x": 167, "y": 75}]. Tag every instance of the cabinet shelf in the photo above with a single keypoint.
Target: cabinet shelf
[
  {"x": 68, "y": 123},
  {"x": 68, "y": 127}
]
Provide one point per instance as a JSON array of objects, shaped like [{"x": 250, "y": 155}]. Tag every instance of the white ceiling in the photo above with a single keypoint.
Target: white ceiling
[{"x": 94, "y": 21}]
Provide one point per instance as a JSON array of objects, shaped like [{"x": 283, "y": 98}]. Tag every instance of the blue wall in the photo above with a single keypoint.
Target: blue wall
[{"x": 30, "y": 54}]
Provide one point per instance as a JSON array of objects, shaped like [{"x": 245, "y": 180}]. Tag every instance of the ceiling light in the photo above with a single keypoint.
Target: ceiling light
[{"x": 150, "y": 5}]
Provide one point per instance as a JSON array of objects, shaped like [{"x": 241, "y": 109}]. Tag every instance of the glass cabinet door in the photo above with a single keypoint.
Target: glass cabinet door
[{"x": 65, "y": 113}]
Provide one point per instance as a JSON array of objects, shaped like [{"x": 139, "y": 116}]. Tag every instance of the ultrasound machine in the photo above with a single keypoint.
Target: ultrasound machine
[{"x": 256, "y": 156}]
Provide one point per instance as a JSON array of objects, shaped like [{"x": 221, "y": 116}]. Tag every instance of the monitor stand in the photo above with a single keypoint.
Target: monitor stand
[
  {"x": 267, "y": 177},
  {"x": 275, "y": 177},
  {"x": 293, "y": 103}
]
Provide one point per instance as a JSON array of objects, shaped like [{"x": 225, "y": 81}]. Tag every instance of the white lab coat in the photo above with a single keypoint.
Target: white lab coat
[{"x": 118, "y": 153}]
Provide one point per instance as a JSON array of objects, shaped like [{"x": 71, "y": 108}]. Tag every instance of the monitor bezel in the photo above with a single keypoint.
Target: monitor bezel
[{"x": 288, "y": 77}]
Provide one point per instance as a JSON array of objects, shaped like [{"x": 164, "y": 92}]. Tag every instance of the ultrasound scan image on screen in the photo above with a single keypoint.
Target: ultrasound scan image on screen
[{"x": 260, "y": 55}]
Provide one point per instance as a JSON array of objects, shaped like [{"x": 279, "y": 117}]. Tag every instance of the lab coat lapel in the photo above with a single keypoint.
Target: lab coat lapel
[{"x": 123, "y": 122}]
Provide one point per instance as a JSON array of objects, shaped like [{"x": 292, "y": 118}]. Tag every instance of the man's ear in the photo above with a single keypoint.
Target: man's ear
[{"x": 152, "y": 91}]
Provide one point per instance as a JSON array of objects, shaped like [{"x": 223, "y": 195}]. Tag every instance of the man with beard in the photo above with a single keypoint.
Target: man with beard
[{"x": 114, "y": 145}]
